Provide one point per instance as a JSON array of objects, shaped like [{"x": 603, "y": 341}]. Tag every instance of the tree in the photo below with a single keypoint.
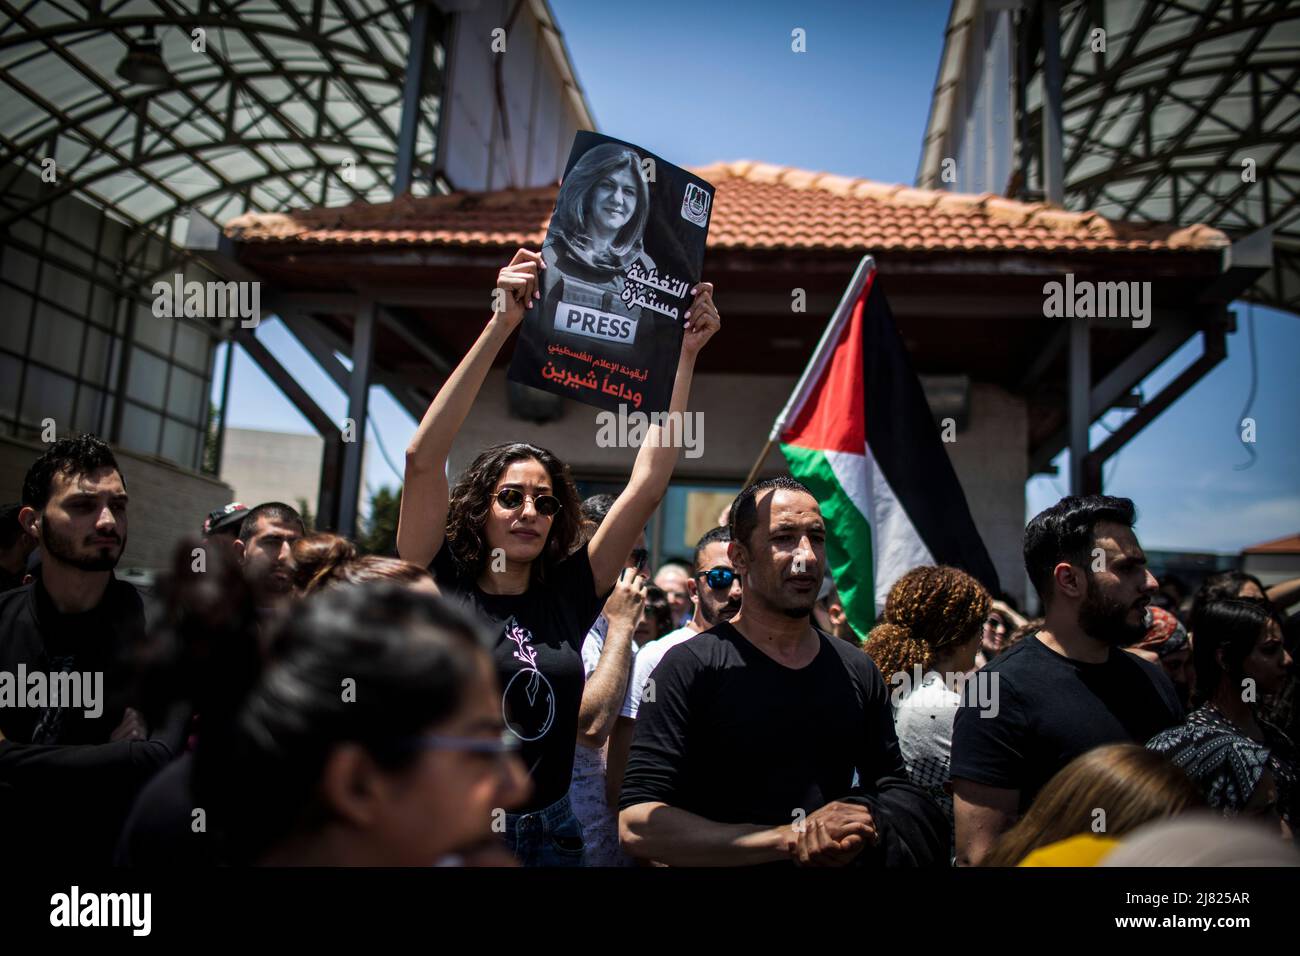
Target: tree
[
  {"x": 210, "y": 464},
  {"x": 308, "y": 519},
  {"x": 380, "y": 533}
]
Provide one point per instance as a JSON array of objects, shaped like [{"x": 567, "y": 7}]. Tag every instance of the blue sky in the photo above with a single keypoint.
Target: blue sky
[{"x": 700, "y": 83}]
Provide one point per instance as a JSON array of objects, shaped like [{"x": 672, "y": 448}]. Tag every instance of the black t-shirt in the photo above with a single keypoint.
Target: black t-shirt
[
  {"x": 1050, "y": 709},
  {"x": 33, "y": 632},
  {"x": 64, "y": 787},
  {"x": 160, "y": 831},
  {"x": 538, "y": 660},
  {"x": 735, "y": 737}
]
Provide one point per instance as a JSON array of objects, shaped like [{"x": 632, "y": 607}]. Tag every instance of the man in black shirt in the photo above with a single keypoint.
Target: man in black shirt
[
  {"x": 72, "y": 752},
  {"x": 1068, "y": 688},
  {"x": 745, "y": 751}
]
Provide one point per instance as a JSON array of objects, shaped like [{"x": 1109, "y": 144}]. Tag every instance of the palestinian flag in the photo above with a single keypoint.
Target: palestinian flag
[{"x": 859, "y": 433}]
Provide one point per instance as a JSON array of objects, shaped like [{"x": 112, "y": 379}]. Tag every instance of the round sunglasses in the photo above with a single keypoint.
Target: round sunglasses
[
  {"x": 512, "y": 499},
  {"x": 718, "y": 578}
]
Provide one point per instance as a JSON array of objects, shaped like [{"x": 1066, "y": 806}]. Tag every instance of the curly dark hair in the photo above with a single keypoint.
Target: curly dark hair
[
  {"x": 471, "y": 499},
  {"x": 928, "y": 608},
  {"x": 78, "y": 455}
]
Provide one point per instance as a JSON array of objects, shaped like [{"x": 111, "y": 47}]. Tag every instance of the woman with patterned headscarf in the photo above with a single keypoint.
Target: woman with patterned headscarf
[
  {"x": 1166, "y": 643},
  {"x": 1243, "y": 764}
]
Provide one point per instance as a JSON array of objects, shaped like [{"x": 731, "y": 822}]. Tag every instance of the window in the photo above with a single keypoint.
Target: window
[
  {"x": 148, "y": 378},
  {"x": 10, "y": 370},
  {"x": 48, "y": 395},
  {"x": 56, "y": 339},
  {"x": 15, "y": 314},
  {"x": 153, "y": 331},
  {"x": 140, "y": 429},
  {"x": 191, "y": 346},
  {"x": 94, "y": 367},
  {"x": 90, "y": 402},
  {"x": 179, "y": 443},
  {"x": 186, "y": 399}
]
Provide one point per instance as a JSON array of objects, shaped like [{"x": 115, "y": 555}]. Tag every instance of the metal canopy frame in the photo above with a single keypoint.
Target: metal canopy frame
[
  {"x": 289, "y": 103},
  {"x": 1158, "y": 127},
  {"x": 264, "y": 118}
]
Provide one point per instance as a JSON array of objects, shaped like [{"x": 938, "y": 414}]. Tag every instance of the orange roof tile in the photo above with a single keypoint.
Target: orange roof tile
[
  {"x": 1288, "y": 545},
  {"x": 758, "y": 206}
]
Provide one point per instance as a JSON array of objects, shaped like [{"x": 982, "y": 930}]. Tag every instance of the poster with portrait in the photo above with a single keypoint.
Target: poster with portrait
[{"x": 623, "y": 251}]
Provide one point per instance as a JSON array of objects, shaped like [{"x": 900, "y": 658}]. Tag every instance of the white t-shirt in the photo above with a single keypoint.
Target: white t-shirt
[
  {"x": 923, "y": 722},
  {"x": 587, "y": 788},
  {"x": 647, "y": 659}
]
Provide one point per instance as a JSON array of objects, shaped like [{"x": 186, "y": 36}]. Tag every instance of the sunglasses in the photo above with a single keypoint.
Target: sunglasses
[
  {"x": 718, "y": 578},
  {"x": 512, "y": 499}
]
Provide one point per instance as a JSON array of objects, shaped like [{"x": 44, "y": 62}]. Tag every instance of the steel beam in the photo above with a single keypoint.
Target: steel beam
[
  {"x": 1215, "y": 351},
  {"x": 327, "y": 499},
  {"x": 417, "y": 62},
  {"x": 1080, "y": 400},
  {"x": 1052, "y": 169},
  {"x": 363, "y": 347}
]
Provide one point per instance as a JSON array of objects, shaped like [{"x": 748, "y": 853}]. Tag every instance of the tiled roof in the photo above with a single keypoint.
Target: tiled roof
[
  {"x": 1288, "y": 545},
  {"x": 757, "y": 207}
]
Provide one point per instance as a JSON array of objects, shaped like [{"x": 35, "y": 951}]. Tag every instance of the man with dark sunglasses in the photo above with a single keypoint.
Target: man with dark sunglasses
[{"x": 715, "y": 591}]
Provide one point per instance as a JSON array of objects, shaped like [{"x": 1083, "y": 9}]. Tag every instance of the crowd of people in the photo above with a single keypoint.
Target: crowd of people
[{"x": 514, "y": 687}]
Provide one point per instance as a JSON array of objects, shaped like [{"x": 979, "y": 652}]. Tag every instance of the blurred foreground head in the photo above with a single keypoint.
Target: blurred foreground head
[
  {"x": 374, "y": 738},
  {"x": 1200, "y": 839}
]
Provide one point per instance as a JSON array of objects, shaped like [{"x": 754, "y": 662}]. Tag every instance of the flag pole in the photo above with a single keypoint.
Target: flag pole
[
  {"x": 762, "y": 457},
  {"x": 821, "y": 354}
]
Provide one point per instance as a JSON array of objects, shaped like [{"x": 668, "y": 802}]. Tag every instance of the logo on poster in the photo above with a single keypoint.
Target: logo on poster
[
  {"x": 593, "y": 323},
  {"x": 695, "y": 205}
]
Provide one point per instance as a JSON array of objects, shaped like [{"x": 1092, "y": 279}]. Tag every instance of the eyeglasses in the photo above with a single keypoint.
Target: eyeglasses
[
  {"x": 507, "y": 743},
  {"x": 512, "y": 498},
  {"x": 718, "y": 578},
  {"x": 641, "y": 557}
]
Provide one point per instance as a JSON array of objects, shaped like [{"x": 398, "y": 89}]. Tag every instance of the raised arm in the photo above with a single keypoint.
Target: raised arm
[
  {"x": 1284, "y": 593},
  {"x": 654, "y": 462},
  {"x": 603, "y": 693},
  {"x": 422, "y": 519}
]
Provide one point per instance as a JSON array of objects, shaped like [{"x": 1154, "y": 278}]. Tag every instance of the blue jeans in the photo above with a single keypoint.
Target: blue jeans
[{"x": 551, "y": 836}]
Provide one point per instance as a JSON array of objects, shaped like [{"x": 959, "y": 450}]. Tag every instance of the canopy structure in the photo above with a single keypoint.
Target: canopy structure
[
  {"x": 264, "y": 106},
  {"x": 126, "y": 124},
  {"x": 1142, "y": 110}
]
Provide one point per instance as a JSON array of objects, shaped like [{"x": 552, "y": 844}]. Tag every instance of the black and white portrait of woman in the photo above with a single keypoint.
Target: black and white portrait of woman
[
  {"x": 621, "y": 253},
  {"x": 598, "y": 230}
]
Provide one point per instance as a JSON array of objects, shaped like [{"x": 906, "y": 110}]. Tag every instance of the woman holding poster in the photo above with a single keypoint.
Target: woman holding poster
[{"x": 503, "y": 539}]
